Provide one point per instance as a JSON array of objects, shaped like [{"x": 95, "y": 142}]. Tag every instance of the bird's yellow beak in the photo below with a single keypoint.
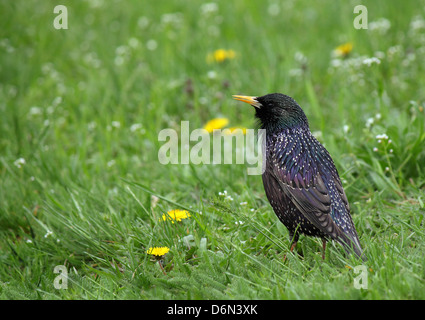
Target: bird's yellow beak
[{"x": 248, "y": 99}]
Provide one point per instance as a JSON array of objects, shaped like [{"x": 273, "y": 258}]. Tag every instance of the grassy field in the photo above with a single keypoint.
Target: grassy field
[{"x": 80, "y": 181}]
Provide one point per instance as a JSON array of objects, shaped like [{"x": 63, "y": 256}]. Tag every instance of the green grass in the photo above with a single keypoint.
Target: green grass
[{"x": 92, "y": 191}]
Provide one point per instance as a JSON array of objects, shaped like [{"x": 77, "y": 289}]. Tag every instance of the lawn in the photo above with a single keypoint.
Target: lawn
[{"x": 84, "y": 195}]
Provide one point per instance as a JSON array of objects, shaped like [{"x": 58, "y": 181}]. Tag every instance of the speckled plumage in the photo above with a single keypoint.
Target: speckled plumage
[{"x": 300, "y": 179}]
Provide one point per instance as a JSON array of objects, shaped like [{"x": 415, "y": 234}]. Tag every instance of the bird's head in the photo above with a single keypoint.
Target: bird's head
[{"x": 276, "y": 111}]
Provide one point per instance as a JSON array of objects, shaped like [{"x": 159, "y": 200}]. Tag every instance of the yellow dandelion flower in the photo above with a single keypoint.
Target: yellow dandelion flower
[
  {"x": 176, "y": 215},
  {"x": 216, "y": 123},
  {"x": 344, "y": 49},
  {"x": 220, "y": 55},
  {"x": 158, "y": 251}
]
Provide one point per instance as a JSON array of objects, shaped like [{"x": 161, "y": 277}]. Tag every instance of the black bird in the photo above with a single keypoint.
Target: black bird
[{"x": 300, "y": 179}]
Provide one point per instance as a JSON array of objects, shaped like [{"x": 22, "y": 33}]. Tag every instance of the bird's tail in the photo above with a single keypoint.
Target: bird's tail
[{"x": 351, "y": 244}]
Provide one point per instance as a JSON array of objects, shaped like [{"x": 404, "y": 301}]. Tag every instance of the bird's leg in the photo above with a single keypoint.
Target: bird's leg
[
  {"x": 293, "y": 246},
  {"x": 294, "y": 243},
  {"x": 324, "y": 248}
]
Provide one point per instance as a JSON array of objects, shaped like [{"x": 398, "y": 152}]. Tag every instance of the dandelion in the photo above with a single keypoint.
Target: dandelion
[
  {"x": 19, "y": 162},
  {"x": 216, "y": 123},
  {"x": 343, "y": 50},
  {"x": 176, "y": 215},
  {"x": 158, "y": 251},
  {"x": 221, "y": 55}
]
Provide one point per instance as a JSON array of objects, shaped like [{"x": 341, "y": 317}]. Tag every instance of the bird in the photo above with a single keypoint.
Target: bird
[{"x": 300, "y": 179}]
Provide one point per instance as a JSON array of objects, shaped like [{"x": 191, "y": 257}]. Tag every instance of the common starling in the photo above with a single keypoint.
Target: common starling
[{"x": 300, "y": 179}]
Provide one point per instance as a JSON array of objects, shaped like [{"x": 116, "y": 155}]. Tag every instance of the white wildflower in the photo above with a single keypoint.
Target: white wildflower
[
  {"x": 116, "y": 124},
  {"x": 370, "y": 61},
  {"x": 35, "y": 111},
  {"x": 19, "y": 162},
  {"x": 369, "y": 122},
  {"x": 136, "y": 126},
  {"x": 48, "y": 234},
  {"x": 382, "y": 136},
  {"x": 151, "y": 44},
  {"x": 209, "y": 7},
  {"x": 110, "y": 163},
  {"x": 382, "y": 25},
  {"x": 212, "y": 74}
]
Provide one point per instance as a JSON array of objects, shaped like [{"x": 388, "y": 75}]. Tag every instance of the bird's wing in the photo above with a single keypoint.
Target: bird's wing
[
  {"x": 309, "y": 193},
  {"x": 310, "y": 197}
]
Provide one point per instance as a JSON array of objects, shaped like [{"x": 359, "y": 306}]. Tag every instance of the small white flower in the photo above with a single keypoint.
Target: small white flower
[
  {"x": 382, "y": 25},
  {"x": 382, "y": 136},
  {"x": 151, "y": 44},
  {"x": 345, "y": 128},
  {"x": 209, "y": 7},
  {"x": 375, "y": 149},
  {"x": 116, "y": 124},
  {"x": 133, "y": 42},
  {"x": 370, "y": 61},
  {"x": 48, "y": 234},
  {"x": 369, "y": 122},
  {"x": 118, "y": 60},
  {"x": 28, "y": 241},
  {"x": 110, "y": 163},
  {"x": 19, "y": 162},
  {"x": 391, "y": 150},
  {"x": 135, "y": 127},
  {"x": 35, "y": 111},
  {"x": 243, "y": 203},
  {"x": 273, "y": 9},
  {"x": 212, "y": 74}
]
